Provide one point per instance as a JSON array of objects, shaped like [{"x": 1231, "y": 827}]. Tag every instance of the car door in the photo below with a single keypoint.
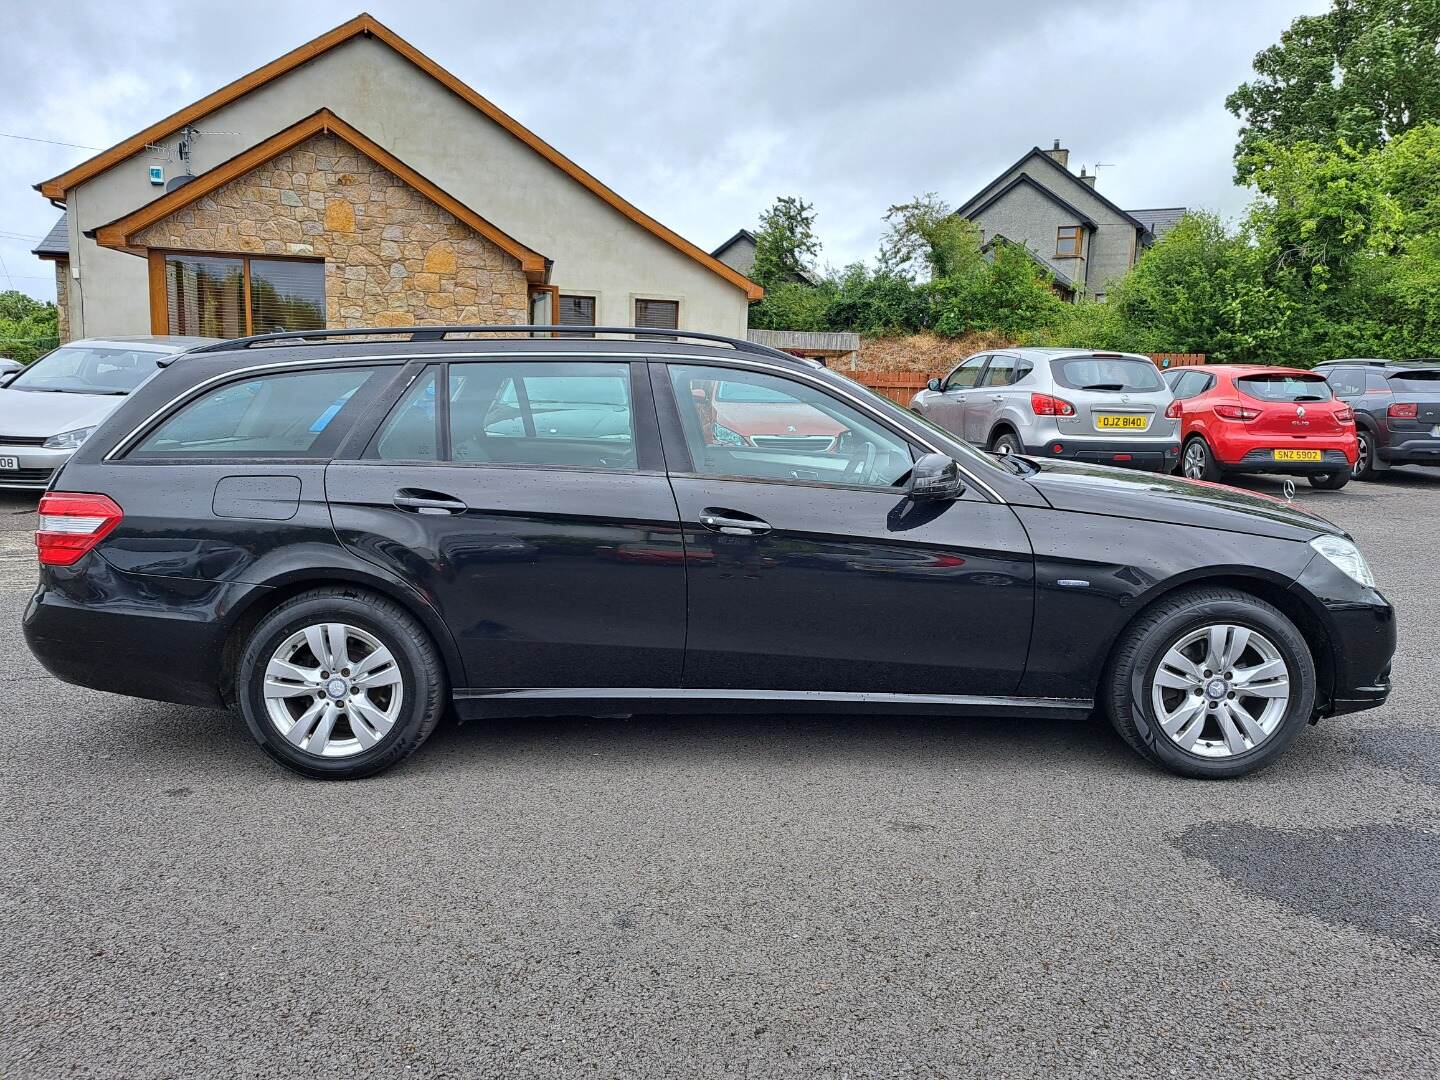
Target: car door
[
  {"x": 526, "y": 499},
  {"x": 984, "y": 403},
  {"x": 947, "y": 407},
  {"x": 810, "y": 569}
]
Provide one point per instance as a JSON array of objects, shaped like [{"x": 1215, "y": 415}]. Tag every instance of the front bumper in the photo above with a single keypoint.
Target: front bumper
[
  {"x": 1359, "y": 624},
  {"x": 1151, "y": 455},
  {"x": 37, "y": 466}
]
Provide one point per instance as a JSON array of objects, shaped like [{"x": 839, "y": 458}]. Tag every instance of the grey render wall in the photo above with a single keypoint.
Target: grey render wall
[
  {"x": 740, "y": 255},
  {"x": 596, "y": 249},
  {"x": 1025, "y": 216}
]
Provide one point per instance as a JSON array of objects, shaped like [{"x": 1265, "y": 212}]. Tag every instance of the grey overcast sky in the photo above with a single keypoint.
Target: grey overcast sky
[{"x": 701, "y": 114}]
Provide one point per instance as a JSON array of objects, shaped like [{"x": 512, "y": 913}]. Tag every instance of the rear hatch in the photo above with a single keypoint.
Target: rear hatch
[
  {"x": 1113, "y": 394},
  {"x": 1419, "y": 387},
  {"x": 1292, "y": 405}
]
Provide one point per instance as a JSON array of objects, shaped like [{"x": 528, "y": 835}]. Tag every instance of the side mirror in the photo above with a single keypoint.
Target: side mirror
[
  {"x": 934, "y": 384},
  {"x": 935, "y": 478}
]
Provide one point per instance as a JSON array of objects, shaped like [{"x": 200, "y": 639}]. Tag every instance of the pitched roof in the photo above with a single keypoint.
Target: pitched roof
[
  {"x": 743, "y": 234},
  {"x": 1061, "y": 278},
  {"x": 1162, "y": 220},
  {"x": 120, "y": 233},
  {"x": 1034, "y": 152},
  {"x": 56, "y": 244},
  {"x": 367, "y": 25},
  {"x": 1029, "y": 181}
]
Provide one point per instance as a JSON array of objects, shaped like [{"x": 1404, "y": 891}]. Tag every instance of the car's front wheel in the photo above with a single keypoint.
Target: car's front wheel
[
  {"x": 337, "y": 684},
  {"x": 1210, "y": 683}
]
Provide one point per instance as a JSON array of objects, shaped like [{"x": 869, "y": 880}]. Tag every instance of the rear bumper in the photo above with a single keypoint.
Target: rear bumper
[
  {"x": 147, "y": 637},
  {"x": 1263, "y": 461},
  {"x": 1422, "y": 449},
  {"x": 1151, "y": 455}
]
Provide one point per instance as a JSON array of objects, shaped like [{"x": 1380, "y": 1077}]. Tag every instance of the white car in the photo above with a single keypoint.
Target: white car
[{"x": 52, "y": 406}]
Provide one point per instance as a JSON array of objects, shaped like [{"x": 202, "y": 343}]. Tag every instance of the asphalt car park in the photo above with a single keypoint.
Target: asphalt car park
[{"x": 725, "y": 895}]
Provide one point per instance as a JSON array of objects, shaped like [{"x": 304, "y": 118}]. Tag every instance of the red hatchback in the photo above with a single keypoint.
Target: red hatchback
[{"x": 1251, "y": 419}]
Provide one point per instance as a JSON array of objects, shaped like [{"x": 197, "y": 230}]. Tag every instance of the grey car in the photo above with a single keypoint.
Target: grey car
[
  {"x": 51, "y": 407},
  {"x": 1103, "y": 407}
]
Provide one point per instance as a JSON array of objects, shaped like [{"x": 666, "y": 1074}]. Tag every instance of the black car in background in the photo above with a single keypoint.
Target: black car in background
[
  {"x": 1397, "y": 410},
  {"x": 346, "y": 535}
]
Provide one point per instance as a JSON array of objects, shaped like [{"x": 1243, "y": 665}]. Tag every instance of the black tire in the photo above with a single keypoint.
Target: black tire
[
  {"x": 1330, "y": 481},
  {"x": 1197, "y": 450},
  {"x": 1364, "y": 467},
  {"x": 1005, "y": 439},
  {"x": 425, "y": 693},
  {"x": 1126, "y": 684}
]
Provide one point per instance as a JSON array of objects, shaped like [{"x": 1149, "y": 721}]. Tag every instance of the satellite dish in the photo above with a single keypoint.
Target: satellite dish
[{"x": 178, "y": 181}]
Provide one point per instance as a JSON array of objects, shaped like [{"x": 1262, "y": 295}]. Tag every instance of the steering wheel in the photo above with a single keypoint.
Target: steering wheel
[{"x": 864, "y": 464}]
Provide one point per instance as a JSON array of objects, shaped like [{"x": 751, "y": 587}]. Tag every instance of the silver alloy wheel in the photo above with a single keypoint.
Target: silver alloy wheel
[
  {"x": 1194, "y": 466},
  {"x": 1221, "y": 690},
  {"x": 333, "y": 690},
  {"x": 1362, "y": 457}
]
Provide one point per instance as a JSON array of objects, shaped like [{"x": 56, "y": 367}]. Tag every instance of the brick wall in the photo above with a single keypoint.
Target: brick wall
[{"x": 392, "y": 257}]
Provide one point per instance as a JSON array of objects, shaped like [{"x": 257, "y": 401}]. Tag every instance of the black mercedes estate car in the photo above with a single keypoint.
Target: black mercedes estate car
[{"x": 347, "y": 535}]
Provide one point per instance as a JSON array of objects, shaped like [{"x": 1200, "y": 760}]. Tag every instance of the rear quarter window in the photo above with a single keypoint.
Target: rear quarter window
[
  {"x": 300, "y": 414},
  {"x": 1115, "y": 373}
]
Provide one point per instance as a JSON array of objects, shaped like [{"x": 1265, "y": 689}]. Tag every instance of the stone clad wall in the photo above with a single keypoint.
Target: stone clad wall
[
  {"x": 392, "y": 257},
  {"x": 62, "y": 298}
]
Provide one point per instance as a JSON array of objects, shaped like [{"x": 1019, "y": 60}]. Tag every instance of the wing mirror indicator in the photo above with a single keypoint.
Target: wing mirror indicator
[{"x": 935, "y": 478}]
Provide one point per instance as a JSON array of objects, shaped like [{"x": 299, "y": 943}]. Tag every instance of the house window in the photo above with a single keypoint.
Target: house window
[
  {"x": 658, "y": 314},
  {"x": 1069, "y": 240},
  {"x": 577, "y": 311},
  {"x": 220, "y": 296}
]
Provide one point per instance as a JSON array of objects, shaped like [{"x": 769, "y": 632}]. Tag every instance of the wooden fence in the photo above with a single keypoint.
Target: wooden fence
[{"x": 901, "y": 386}]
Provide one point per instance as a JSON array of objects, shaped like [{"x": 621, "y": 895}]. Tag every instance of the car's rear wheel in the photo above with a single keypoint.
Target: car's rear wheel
[
  {"x": 1007, "y": 442},
  {"x": 1330, "y": 481},
  {"x": 338, "y": 685},
  {"x": 1211, "y": 683},
  {"x": 1197, "y": 462},
  {"x": 1364, "y": 467}
]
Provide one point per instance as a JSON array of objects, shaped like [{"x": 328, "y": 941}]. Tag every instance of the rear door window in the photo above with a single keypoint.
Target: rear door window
[
  {"x": 299, "y": 414},
  {"x": 1284, "y": 388},
  {"x": 1112, "y": 373},
  {"x": 1346, "y": 382},
  {"x": 1001, "y": 371}
]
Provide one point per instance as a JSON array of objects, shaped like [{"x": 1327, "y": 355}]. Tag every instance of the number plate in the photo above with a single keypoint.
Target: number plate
[
  {"x": 9, "y": 463},
  {"x": 1299, "y": 455},
  {"x": 1124, "y": 423}
]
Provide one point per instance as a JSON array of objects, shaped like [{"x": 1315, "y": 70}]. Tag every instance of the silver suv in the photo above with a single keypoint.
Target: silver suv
[{"x": 1109, "y": 408}]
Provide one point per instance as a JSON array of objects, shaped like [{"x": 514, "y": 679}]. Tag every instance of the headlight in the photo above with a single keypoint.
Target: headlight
[
  {"x": 1346, "y": 557},
  {"x": 69, "y": 440}
]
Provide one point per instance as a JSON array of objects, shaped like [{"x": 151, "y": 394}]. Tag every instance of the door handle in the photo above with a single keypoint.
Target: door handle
[
  {"x": 997, "y": 397},
  {"x": 732, "y": 523},
  {"x": 428, "y": 502}
]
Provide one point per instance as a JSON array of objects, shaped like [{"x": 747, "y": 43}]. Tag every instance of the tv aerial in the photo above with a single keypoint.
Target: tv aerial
[{"x": 184, "y": 147}]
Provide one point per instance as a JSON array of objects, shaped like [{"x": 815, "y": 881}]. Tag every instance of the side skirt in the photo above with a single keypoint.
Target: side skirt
[{"x": 582, "y": 701}]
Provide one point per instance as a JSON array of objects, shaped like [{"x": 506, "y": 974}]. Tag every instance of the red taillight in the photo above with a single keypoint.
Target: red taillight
[
  {"x": 1172, "y": 411},
  {"x": 1404, "y": 410},
  {"x": 1345, "y": 414},
  {"x": 1045, "y": 405},
  {"x": 1236, "y": 412},
  {"x": 1123, "y": 457},
  {"x": 71, "y": 524}
]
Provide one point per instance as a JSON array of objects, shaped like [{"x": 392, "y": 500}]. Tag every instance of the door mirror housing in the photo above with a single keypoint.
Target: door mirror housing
[
  {"x": 934, "y": 384},
  {"x": 935, "y": 478}
]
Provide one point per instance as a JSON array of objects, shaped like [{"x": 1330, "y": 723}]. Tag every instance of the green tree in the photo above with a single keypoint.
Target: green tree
[
  {"x": 785, "y": 244},
  {"x": 29, "y": 328},
  {"x": 1008, "y": 293},
  {"x": 1362, "y": 72},
  {"x": 925, "y": 234}
]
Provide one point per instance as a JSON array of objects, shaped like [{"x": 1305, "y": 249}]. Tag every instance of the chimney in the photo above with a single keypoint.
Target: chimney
[
  {"x": 1087, "y": 178},
  {"x": 1059, "y": 156}
]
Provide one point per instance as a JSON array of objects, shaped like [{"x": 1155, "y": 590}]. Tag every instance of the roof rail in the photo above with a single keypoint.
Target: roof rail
[{"x": 439, "y": 333}]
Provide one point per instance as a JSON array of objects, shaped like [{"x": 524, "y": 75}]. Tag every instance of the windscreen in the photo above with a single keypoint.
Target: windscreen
[
  {"x": 1285, "y": 387},
  {"x": 80, "y": 369},
  {"x": 1102, "y": 373}
]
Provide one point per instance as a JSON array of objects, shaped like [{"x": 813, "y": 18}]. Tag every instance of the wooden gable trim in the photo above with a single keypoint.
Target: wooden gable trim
[
  {"x": 120, "y": 234},
  {"x": 56, "y": 187}
]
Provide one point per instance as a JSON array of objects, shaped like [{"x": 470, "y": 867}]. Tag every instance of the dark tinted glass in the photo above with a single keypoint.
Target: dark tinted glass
[
  {"x": 289, "y": 415},
  {"x": 1285, "y": 387},
  {"x": 1107, "y": 373}
]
